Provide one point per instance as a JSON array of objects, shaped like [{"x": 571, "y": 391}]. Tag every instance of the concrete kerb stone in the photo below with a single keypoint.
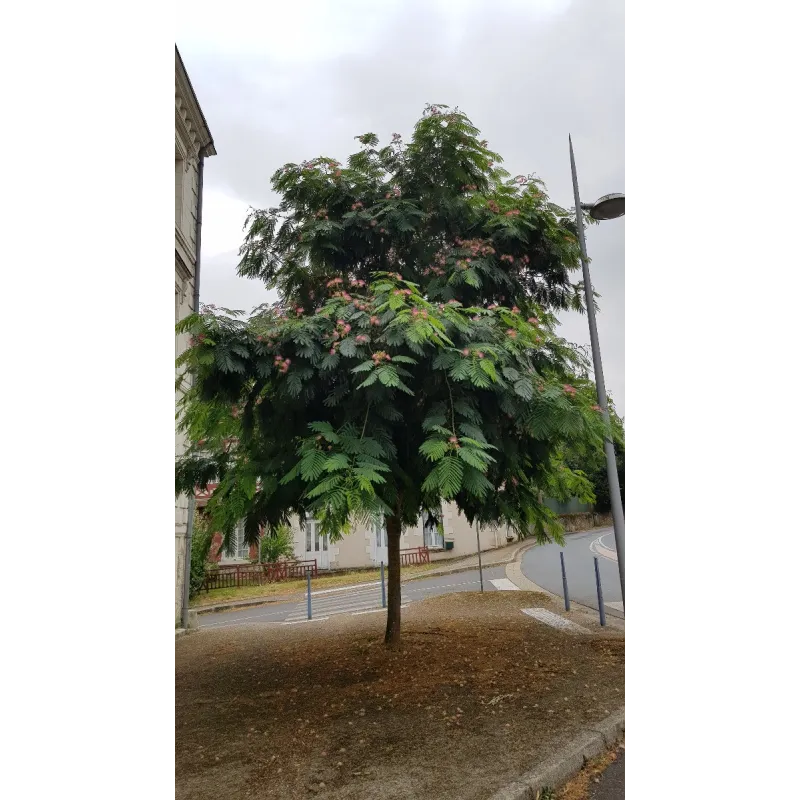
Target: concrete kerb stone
[{"x": 555, "y": 771}]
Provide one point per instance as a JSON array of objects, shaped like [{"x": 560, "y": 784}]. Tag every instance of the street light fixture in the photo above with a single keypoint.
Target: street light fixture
[{"x": 610, "y": 206}]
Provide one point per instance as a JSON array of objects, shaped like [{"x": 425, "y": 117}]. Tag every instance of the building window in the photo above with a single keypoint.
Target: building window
[
  {"x": 432, "y": 531},
  {"x": 380, "y": 533},
  {"x": 239, "y": 549},
  {"x": 315, "y": 541}
]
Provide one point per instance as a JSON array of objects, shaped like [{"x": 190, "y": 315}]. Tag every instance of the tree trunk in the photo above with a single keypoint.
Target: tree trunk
[{"x": 393, "y": 529}]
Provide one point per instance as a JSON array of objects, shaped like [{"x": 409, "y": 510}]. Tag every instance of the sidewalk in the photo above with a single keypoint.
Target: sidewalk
[{"x": 497, "y": 557}]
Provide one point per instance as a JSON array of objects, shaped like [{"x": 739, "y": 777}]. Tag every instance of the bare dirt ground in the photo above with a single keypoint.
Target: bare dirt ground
[{"x": 475, "y": 695}]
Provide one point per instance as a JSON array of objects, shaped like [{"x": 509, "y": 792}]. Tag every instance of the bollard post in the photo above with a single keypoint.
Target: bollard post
[
  {"x": 308, "y": 579},
  {"x": 480, "y": 563},
  {"x": 383, "y": 588},
  {"x": 599, "y": 592},
  {"x": 564, "y": 582}
]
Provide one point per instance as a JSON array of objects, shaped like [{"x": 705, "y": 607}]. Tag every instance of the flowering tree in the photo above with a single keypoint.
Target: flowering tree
[{"x": 412, "y": 358}]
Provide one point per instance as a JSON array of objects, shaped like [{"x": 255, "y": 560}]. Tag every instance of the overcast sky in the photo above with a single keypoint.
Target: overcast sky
[{"x": 283, "y": 82}]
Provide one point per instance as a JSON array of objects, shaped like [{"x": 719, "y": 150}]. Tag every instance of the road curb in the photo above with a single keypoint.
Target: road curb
[
  {"x": 554, "y": 772},
  {"x": 515, "y": 575},
  {"x": 298, "y": 597}
]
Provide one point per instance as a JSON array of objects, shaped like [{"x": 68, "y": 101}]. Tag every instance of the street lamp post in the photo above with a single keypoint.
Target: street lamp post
[{"x": 609, "y": 207}]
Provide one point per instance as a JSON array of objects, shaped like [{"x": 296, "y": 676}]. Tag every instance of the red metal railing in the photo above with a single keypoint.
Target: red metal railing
[
  {"x": 414, "y": 555},
  {"x": 231, "y": 575}
]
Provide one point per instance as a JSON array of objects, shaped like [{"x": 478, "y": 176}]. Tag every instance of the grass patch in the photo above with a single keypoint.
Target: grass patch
[{"x": 281, "y": 588}]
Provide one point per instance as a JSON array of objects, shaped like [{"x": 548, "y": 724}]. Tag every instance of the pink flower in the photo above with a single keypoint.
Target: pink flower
[
  {"x": 480, "y": 354},
  {"x": 374, "y": 321},
  {"x": 512, "y": 333},
  {"x": 533, "y": 320},
  {"x": 596, "y": 408},
  {"x": 373, "y": 222},
  {"x": 465, "y": 351},
  {"x": 347, "y": 329},
  {"x": 570, "y": 390},
  {"x": 299, "y": 310},
  {"x": 453, "y": 440},
  {"x": 515, "y": 310},
  {"x": 414, "y": 312},
  {"x": 333, "y": 351}
]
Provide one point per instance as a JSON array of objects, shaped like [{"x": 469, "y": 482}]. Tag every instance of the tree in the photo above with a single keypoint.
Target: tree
[
  {"x": 589, "y": 459},
  {"x": 412, "y": 358}
]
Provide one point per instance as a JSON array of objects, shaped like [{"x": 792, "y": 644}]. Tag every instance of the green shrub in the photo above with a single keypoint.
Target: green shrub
[
  {"x": 201, "y": 546},
  {"x": 276, "y": 544}
]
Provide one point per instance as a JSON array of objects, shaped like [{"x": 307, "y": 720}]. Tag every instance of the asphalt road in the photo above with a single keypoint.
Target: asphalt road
[
  {"x": 362, "y": 598},
  {"x": 542, "y": 565},
  {"x": 612, "y": 781}
]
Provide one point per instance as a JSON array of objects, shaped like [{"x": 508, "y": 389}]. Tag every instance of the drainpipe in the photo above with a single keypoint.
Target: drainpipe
[{"x": 187, "y": 564}]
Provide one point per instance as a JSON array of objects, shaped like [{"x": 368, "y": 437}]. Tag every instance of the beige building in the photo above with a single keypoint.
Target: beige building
[
  {"x": 193, "y": 143},
  {"x": 365, "y": 546}
]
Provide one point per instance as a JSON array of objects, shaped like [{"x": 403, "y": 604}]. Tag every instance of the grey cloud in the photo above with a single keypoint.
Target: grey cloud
[{"x": 526, "y": 80}]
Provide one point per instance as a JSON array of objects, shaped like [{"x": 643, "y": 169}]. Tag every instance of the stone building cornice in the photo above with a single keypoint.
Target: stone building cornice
[{"x": 189, "y": 119}]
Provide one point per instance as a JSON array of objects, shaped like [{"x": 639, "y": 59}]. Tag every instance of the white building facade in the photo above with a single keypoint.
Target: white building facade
[{"x": 193, "y": 143}]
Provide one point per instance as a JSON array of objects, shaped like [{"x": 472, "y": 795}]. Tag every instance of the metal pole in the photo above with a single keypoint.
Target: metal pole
[
  {"x": 383, "y": 588},
  {"x": 480, "y": 563},
  {"x": 187, "y": 563},
  {"x": 617, "y": 512},
  {"x": 599, "y": 592},
  {"x": 308, "y": 579},
  {"x": 564, "y": 581}
]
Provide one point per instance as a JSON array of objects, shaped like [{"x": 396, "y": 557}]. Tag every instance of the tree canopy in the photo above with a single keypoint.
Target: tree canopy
[{"x": 412, "y": 357}]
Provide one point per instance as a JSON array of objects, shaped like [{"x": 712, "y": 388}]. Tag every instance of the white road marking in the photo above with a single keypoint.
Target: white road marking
[
  {"x": 373, "y": 611},
  {"x": 242, "y": 619},
  {"x": 618, "y": 606},
  {"x": 554, "y": 620},
  {"x": 301, "y": 621},
  {"x": 599, "y": 549},
  {"x": 504, "y": 585},
  {"x": 345, "y": 588}
]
